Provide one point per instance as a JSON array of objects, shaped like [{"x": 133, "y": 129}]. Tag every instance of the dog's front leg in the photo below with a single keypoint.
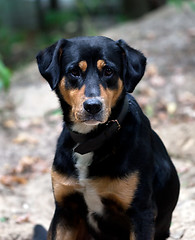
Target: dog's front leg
[
  {"x": 59, "y": 230},
  {"x": 67, "y": 226},
  {"x": 142, "y": 225},
  {"x": 69, "y": 220}
]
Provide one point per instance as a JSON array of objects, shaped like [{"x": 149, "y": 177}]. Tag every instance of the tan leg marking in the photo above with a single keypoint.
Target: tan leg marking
[
  {"x": 132, "y": 236},
  {"x": 121, "y": 191},
  {"x": 83, "y": 65},
  {"x": 64, "y": 233},
  {"x": 100, "y": 64},
  {"x": 63, "y": 186}
]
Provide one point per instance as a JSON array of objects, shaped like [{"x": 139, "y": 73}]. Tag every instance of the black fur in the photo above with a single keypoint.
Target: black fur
[
  {"x": 135, "y": 148},
  {"x": 134, "y": 64}
]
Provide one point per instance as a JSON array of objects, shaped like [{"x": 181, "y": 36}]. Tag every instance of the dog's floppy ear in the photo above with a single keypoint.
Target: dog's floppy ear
[
  {"x": 134, "y": 64},
  {"x": 49, "y": 62}
]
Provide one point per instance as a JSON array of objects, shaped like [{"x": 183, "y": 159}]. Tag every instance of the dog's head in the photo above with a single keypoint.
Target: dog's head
[{"x": 90, "y": 74}]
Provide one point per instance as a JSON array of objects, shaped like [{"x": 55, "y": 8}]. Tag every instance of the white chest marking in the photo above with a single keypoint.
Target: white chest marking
[
  {"x": 82, "y": 164},
  {"x": 91, "y": 197}
]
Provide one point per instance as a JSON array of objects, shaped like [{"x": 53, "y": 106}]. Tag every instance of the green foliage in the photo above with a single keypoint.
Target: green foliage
[
  {"x": 55, "y": 112},
  {"x": 19, "y": 46},
  {"x": 8, "y": 38},
  {"x": 192, "y": 5},
  {"x": 149, "y": 110},
  {"x": 5, "y": 76},
  {"x": 178, "y": 3},
  {"x": 59, "y": 18},
  {"x": 3, "y": 219}
]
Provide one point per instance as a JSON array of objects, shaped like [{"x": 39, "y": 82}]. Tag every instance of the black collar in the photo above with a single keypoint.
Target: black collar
[{"x": 88, "y": 144}]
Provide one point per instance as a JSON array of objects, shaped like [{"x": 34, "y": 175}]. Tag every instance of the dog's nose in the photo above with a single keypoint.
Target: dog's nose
[{"x": 92, "y": 105}]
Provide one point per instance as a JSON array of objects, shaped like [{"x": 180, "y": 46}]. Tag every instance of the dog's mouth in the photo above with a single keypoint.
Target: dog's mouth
[
  {"x": 89, "y": 119},
  {"x": 85, "y": 123}
]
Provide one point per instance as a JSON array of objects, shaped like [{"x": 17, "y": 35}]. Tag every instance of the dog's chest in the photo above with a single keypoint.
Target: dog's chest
[
  {"x": 89, "y": 191},
  {"x": 120, "y": 191}
]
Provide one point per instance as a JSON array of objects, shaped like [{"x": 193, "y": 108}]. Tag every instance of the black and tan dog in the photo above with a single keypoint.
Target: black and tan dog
[{"x": 112, "y": 177}]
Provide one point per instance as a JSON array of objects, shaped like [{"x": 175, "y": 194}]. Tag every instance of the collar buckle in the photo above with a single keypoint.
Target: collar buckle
[{"x": 117, "y": 123}]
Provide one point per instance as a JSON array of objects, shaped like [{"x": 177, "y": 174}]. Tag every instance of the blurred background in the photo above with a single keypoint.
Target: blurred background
[
  {"x": 28, "y": 25},
  {"x": 30, "y": 118}
]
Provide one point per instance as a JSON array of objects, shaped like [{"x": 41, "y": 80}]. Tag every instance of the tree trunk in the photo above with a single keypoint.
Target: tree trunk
[
  {"x": 40, "y": 14},
  {"x": 54, "y": 4},
  {"x": 137, "y": 8}
]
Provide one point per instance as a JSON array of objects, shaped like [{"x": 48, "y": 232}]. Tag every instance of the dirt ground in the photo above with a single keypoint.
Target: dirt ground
[{"x": 30, "y": 123}]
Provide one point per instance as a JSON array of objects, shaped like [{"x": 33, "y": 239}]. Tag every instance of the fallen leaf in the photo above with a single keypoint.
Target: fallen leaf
[
  {"x": 151, "y": 70},
  {"x": 9, "y": 124},
  {"x": 157, "y": 81},
  {"x": 162, "y": 116},
  {"x": 41, "y": 167},
  {"x": 186, "y": 98},
  {"x": 25, "y": 164},
  {"x": 31, "y": 165},
  {"x": 23, "y": 219},
  {"x": 25, "y": 138},
  {"x": 9, "y": 180},
  {"x": 142, "y": 100}
]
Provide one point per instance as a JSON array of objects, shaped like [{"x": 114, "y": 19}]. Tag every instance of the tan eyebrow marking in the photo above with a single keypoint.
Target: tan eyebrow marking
[
  {"x": 83, "y": 65},
  {"x": 100, "y": 64}
]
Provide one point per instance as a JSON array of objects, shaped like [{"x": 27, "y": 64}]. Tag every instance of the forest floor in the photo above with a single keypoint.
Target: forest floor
[{"x": 30, "y": 123}]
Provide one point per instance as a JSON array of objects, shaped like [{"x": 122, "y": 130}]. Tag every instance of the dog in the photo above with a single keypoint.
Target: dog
[{"x": 112, "y": 177}]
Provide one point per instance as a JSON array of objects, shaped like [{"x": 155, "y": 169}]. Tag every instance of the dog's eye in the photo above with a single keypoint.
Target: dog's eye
[
  {"x": 75, "y": 72},
  {"x": 108, "y": 72}
]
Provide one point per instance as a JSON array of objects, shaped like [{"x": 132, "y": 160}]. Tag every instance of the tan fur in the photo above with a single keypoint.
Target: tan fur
[
  {"x": 111, "y": 96},
  {"x": 100, "y": 64},
  {"x": 62, "y": 233},
  {"x": 132, "y": 236},
  {"x": 63, "y": 186},
  {"x": 121, "y": 191},
  {"x": 65, "y": 233},
  {"x": 75, "y": 98},
  {"x": 60, "y": 53},
  {"x": 83, "y": 65}
]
